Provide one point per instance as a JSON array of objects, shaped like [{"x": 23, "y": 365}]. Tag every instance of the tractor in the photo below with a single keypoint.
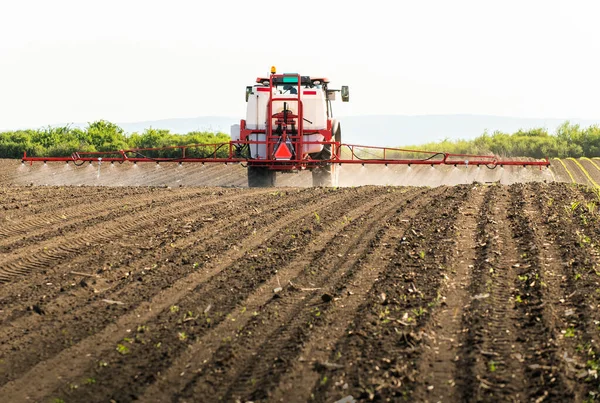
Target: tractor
[{"x": 289, "y": 127}]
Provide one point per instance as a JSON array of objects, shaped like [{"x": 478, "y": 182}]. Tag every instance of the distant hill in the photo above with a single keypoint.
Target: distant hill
[{"x": 385, "y": 130}]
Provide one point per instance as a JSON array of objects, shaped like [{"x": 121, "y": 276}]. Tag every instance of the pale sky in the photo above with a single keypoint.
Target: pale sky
[{"x": 129, "y": 60}]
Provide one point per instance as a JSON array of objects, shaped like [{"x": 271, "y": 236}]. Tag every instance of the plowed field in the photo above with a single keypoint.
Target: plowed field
[{"x": 472, "y": 292}]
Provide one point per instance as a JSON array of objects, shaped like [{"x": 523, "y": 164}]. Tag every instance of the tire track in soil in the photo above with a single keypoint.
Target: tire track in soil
[
  {"x": 103, "y": 342},
  {"x": 575, "y": 232},
  {"x": 438, "y": 364},
  {"x": 537, "y": 330},
  {"x": 337, "y": 261},
  {"x": 490, "y": 354},
  {"x": 223, "y": 292},
  {"x": 378, "y": 355},
  {"x": 560, "y": 285},
  {"x": 14, "y": 304},
  {"x": 51, "y": 199},
  {"x": 505, "y": 351},
  {"x": 47, "y": 253},
  {"x": 143, "y": 239},
  {"x": 55, "y": 222},
  {"x": 203, "y": 349},
  {"x": 130, "y": 292}
]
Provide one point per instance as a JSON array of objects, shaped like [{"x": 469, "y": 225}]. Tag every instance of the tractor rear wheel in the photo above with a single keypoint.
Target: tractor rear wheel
[
  {"x": 260, "y": 177},
  {"x": 328, "y": 175},
  {"x": 325, "y": 176}
]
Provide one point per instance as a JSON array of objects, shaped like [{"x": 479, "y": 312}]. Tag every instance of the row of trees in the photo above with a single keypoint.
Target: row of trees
[
  {"x": 569, "y": 140},
  {"x": 99, "y": 136}
]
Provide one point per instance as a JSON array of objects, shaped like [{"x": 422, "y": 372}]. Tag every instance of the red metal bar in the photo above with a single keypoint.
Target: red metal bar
[{"x": 429, "y": 157}]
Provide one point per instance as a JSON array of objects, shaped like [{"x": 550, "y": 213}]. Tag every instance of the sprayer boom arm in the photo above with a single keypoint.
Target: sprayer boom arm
[{"x": 233, "y": 152}]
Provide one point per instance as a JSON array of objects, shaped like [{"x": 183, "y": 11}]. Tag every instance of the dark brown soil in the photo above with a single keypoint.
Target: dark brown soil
[{"x": 479, "y": 292}]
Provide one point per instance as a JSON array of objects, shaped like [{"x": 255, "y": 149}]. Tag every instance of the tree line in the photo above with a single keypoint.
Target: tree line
[
  {"x": 568, "y": 140},
  {"x": 102, "y": 136}
]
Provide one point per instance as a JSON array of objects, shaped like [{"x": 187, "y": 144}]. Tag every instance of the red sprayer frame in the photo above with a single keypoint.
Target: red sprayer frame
[{"x": 429, "y": 157}]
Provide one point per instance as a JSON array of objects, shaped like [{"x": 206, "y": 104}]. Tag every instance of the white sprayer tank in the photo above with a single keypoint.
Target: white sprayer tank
[{"x": 315, "y": 115}]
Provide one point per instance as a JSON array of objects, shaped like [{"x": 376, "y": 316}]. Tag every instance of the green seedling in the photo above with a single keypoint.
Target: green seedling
[
  {"x": 317, "y": 218},
  {"x": 570, "y": 332},
  {"x": 122, "y": 349},
  {"x": 574, "y": 206},
  {"x": 591, "y": 207}
]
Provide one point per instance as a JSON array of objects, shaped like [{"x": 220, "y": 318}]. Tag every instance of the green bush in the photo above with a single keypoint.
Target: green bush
[
  {"x": 105, "y": 136},
  {"x": 568, "y": 141}
]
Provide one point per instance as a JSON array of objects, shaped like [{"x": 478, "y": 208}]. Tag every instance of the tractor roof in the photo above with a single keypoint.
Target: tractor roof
[{"x": 306, "y": 80}]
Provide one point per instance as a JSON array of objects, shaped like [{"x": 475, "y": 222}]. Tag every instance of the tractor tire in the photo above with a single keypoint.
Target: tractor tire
[
  {"x": 325, "y": 176},
  {"x": 328, "y": 175},
  {"x": 260, "y": 177}
]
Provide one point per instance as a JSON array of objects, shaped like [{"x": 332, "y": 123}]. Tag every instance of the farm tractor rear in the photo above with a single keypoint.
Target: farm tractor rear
[{"x": 289, "y": 127}]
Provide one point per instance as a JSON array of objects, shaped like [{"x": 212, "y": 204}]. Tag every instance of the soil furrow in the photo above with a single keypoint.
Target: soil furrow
[
  {"x": 573, "y": 225},
  {"x": 221, "y": 293},
  {"x": 378, "y": 355},
  {"x": 536, "y": 329},
  {"x": 558, "y": 288},
  {"x": 351, "y": 292},
  {"x": 105, "y": 341},
  {"x": 105, "y": 231},
  {"x": 136, "y": 286},
  {"x": 506, "y": 351},
  {"x": 59, "y": 221},
  {"x": 203, "y": 349},
  {"x": 175, "y": 235},
  {"x": 293, "y": 312},
  {"x": 490, "y": 353},
  {"x": 27, "y": 202},
  {"x": 439, "y": 364}
]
